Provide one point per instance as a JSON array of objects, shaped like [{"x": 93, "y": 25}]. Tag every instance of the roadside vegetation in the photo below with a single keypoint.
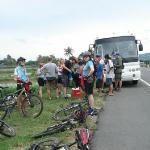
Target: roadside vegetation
[{"x": 25, "y": 127}]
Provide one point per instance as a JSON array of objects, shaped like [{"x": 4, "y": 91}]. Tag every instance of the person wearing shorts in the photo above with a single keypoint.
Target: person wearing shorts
[
  {"x": 66, "y": 69},
  {"x": 118, "y": 65},
  {"x": 40, "y": 79},
  {"x": 99, "y": 75},
  {"x": 109, "y": 73},
  {"x": 88, "y": 71},
  {"x": 51, "y": 73},
  {"x": 59, "y": 80}
]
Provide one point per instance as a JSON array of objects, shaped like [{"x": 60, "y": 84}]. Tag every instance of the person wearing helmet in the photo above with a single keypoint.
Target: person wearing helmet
[
  {"x": 20, "y": 71},
  {"x": 20, "y": 76},
  {"x": 88, "y": 71}
]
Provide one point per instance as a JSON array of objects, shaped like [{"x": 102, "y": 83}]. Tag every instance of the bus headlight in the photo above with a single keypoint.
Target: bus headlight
[
  {"x": 130, "y": 70},
  {"x": 133, "y": 69}
]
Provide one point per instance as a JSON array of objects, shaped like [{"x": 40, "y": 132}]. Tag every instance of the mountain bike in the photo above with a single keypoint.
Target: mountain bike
[
  {"x": 2, "y": 90},
  {"x": 30, "y": 104},
  {"x": 6, "y": 130},
  {"x": 56, "y": 128},
  {"x": 75, "y": 110},
  {"x": 82, "y": 140}
]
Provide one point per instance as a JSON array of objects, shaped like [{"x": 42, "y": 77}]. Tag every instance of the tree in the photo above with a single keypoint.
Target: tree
[
  {"x": 9, "y": 60},
  {"x": 68, "y": 51},
  {"x": 44, "y": 59},
  {"x": 80, "y": 56}
]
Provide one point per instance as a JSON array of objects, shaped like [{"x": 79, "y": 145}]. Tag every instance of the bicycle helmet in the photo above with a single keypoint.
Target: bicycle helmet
[
  {"x": 20, "y": 59},
  {"x": 86, "y": 53}
]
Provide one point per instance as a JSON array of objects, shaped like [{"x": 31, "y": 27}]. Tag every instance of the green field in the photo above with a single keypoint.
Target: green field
[{"x": 7, "y": 74}]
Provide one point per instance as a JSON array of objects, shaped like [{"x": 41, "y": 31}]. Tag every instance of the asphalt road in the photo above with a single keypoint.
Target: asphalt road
[
  {"x": 146, "y": 74},
  {"x": 125, "y": 122}
]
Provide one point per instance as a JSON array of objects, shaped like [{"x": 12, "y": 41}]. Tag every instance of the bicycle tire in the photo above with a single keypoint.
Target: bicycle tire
[
  {"x": 64, "y": 114},
  {"x": 32, "y": 106},
  {"x": 3, "y": 110},
  {"x": 51, "y": 130},
  {"x": 6, "y": 130},
  {"x": 68, "y": 112},
  {"x": 46, "y": 143}
]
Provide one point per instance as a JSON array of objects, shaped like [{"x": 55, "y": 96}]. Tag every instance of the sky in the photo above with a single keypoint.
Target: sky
[{"x": 29, "y": 28}]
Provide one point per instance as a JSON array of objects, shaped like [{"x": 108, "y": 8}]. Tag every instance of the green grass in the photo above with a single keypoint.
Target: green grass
[{"x": 25, "y": 127}]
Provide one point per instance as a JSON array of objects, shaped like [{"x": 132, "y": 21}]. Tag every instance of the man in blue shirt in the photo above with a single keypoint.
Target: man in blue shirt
[{"x": 99, "y": 75}]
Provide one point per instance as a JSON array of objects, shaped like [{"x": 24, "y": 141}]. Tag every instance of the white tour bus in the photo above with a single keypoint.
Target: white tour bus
[{"x": 128, "y": 48}]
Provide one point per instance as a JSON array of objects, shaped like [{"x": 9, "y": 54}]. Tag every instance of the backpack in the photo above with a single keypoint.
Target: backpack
[
  {"x": 83, "y": 137},
  {"x": 95, "y": 68}
]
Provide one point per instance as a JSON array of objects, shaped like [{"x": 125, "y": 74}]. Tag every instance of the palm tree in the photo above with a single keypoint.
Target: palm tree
[{"x": 68, "y": 51}]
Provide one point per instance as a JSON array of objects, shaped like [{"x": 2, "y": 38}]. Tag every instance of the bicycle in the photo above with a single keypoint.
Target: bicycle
[
  {"x": 56, "y": 128},
  {"x": 75, "y": 110},
  {"x": 31, "y": 104},
  {"x": 82, "y": 139},
  {"x": 6, "y": 130},
  {"x": 3, "y": 109},
  {"x": 2, "y": 88}
]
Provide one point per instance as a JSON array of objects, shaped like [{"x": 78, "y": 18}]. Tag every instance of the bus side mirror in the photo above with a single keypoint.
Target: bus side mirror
[{"x": 140, "y": 47}]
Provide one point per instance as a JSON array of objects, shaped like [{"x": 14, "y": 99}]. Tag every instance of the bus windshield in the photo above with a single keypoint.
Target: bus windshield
[{"x": 127, "y": 49}]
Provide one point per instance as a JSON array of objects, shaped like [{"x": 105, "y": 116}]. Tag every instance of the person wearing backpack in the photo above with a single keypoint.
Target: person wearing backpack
[
  {"x": 88, "y": 71},
  {"x": 118, "y": 66}
]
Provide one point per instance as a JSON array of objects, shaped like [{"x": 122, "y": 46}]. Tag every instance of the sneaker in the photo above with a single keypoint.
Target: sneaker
[{"x": 90, "y": 111}]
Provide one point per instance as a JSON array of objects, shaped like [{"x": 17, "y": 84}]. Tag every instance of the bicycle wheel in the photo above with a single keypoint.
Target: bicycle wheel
[
  {"x": 45, "y": 144},
  {"x": 32, "y": 106},
  {"x": 6, "y": 130},
  {"x": 51, "y": 130},
  {"x": 7, "y": 105},
  {"x": 65, "y": 113},
  {"x": 3, "y": 110},
  {"x": 68, "y": 112}
]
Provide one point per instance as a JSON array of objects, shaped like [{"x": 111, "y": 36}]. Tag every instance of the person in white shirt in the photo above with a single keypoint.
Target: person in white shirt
[{"x": 109, "y": 74}]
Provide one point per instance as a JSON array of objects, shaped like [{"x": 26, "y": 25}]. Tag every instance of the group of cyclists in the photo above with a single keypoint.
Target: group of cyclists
[{"x": 84, "y": 73}]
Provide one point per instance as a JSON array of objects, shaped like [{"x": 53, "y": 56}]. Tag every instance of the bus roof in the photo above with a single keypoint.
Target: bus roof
[{"x": 115, "y": 39}]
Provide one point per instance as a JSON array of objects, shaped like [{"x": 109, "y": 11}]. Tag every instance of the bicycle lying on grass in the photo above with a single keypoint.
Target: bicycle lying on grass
[
  {"x": 31, "y": 104},
  {"x": 73, "y": 110},
  {"x": 2, "y": 90},
  {"x": 82, "y": 139},
  {"x": 56, "y": 128},
  {"x": 6, "y": 130},
  {"x": 73, "y": 114}
]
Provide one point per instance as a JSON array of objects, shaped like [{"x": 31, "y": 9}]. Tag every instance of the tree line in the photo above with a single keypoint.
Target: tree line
[{"x": 10, "y": 61}]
